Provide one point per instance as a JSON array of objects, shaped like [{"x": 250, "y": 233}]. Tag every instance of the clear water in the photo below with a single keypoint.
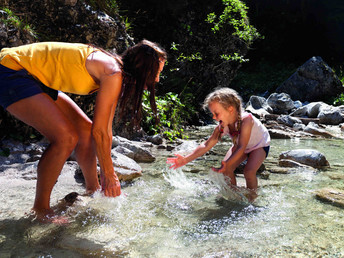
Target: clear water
[{"x": 181, "y": 214}]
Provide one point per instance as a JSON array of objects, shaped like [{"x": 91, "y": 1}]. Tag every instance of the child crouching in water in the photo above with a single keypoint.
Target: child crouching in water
[{"x": 251, "y": 140}]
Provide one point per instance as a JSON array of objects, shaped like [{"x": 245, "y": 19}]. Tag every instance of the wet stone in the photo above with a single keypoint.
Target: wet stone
[{"x": 332, "y": 196}]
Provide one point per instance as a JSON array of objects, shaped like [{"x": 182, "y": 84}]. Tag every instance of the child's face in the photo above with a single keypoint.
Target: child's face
[{"x": 221, "y": 114}]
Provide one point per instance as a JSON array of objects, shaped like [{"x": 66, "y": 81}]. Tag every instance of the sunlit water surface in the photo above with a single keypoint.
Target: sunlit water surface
[{"x": 181, "y": 214}]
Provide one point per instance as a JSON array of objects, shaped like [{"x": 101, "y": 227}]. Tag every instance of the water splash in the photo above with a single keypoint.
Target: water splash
[
  {"x": 179, "y": 180},
  {"x": 216, "y": 181},
  {"x": 230, "y": 193}
]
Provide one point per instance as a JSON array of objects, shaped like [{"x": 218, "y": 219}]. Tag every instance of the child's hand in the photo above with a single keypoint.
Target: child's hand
[
  {"x": 177, "y": 162},
  {"x": 221, "y": 169}
]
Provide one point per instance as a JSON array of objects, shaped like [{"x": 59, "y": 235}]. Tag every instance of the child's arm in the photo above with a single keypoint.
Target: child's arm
[
  {"x": 203, "y": 148},
  {"x": 238, "y": 149}
]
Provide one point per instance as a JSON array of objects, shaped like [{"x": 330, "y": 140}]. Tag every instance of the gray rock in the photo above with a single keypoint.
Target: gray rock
[
  {"x": 281, "y": 103},
  {"x": 155, "y": 139},
  {"x": 133, "y": 149},
  {"x": 313, "y": 81},
  {"x": 310, "y": 110},
  {"x": 330, "y": 115},
  {"x": 307, "y": 157},
  {"x": 126, "y": 168},
  {"x": 298, "y": 104},
  {"x": 279, "y": 134},
  {"x": 299, "y": 127},
  {"x": 288, "y": 120},
  {"x": 314, "y": 129},
  {"x": 257, "y": 102}
]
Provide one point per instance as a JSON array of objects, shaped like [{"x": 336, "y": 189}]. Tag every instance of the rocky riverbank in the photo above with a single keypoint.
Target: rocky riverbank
[{"x": 20, "y": 160}]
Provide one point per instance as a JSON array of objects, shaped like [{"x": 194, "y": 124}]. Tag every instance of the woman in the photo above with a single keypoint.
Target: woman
[{"x": 32, "y": 81}]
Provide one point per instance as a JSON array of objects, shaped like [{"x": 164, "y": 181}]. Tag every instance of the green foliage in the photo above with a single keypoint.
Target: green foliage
[
  {"x": 235, "y": 14},
  {"x": 213, "y": 46},
  {"x": 13, "y": 20},
  {"x": 127, "y": 24},
  {"x": 234, "y": 57},
  {"x": 190, "y": 58},
  {"x": 339, "y": 100},
  {"x": 109, "y": 6},
  {"x": 172, "y": 114}
]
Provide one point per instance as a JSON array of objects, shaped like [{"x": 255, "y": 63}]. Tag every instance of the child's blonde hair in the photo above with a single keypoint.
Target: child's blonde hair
[{"x": 226, "y": 97}]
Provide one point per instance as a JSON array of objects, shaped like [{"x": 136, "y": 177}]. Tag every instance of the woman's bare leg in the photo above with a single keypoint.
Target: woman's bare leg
[
  {"x": 40, "y": 112},
  {"x": 84, "y": 151}
]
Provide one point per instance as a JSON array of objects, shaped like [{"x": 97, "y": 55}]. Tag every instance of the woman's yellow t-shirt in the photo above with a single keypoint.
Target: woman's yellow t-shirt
[{"x": 61, "y": 66}]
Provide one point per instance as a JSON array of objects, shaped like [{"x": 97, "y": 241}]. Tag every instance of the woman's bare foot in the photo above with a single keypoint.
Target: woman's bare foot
[{"x": 47, "y": 216}]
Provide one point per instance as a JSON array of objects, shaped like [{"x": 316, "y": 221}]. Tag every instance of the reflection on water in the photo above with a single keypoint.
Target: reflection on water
[{"x": 177, "y": 214}]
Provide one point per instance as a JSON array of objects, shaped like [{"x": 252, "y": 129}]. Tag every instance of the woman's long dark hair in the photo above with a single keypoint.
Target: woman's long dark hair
[{"x": 140, "y": 66}]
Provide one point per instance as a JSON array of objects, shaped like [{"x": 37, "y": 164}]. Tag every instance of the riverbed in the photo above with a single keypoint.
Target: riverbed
[{"x": 186, "y": 212}]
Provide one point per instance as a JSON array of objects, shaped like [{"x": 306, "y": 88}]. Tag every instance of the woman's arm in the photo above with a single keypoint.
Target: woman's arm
[
  {"x": 203, "y": 148},
  {"x": 106, "y": 102}
]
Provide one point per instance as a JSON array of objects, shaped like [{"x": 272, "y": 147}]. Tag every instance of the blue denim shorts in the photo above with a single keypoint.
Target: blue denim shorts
[
  {"x": 17, "y": 85},
  {"x": 266, "y": 149}
]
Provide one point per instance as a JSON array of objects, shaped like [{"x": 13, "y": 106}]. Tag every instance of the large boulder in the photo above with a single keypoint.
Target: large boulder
[{"x": 313, "y": 81}]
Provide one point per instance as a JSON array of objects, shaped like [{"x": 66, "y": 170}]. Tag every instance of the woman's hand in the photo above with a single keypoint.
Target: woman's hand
[
  {"x": 110, "y": 185},
  {"x": 177, "y": 162}
]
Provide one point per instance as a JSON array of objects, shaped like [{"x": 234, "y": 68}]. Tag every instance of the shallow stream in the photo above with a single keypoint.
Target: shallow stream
[{"x": 183, "y": 214}]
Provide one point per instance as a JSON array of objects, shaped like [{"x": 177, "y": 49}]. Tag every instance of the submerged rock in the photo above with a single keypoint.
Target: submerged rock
[
  {"x": 332, "y": 196},
  {"x": 292, "y": 164}
]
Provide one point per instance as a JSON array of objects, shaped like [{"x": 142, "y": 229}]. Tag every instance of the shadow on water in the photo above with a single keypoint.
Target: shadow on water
[
  {"x": 218, "y": 221},
  {"x": 27, "y": 238},
  {"x": 229, "y": 209},
  {"x": 27, "y": 235}
]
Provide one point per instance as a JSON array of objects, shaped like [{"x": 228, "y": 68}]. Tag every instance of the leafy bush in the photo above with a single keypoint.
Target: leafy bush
[
  {"x": 172, "y": 115},
  {"x": 13, "y": 20},
  {"x": 339, "y": 100},
  {"x": 339, "y": 70}
]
